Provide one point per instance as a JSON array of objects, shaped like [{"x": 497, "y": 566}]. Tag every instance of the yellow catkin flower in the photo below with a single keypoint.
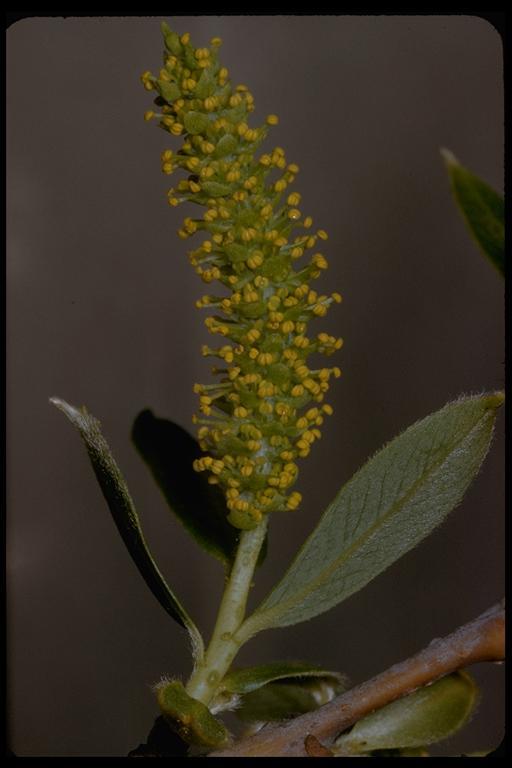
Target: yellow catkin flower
[{"x": 256, "y": 420}]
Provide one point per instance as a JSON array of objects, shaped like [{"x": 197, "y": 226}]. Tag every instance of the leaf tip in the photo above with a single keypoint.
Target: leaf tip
[
  {"x": 495, "y": 400},
  {"x": 66, "y": 408},
  {"x": 448, "y": 157},
  {"x": 77, "y": 416}
]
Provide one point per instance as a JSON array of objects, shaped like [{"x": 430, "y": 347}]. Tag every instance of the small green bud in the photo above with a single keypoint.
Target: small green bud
[{"x": 190, "y": 718}]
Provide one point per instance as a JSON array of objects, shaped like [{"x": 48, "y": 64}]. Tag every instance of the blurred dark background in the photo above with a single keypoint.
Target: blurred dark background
[{"x": 101, "y": 311}]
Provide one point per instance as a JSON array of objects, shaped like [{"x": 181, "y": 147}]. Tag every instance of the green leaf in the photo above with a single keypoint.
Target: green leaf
[
  {"x": 125, "y": 516},
  {"x": 283, "y": 700},
  {"x": 426, "y": 716},
  {"x": 249, "y": 679},
  {"x": 169, "y": 452},
  {"x": 277, "y": 691},
  {"x": 482, "y": 208},
  {"x": 386, "y": 509},
  {"x": 190, "y": 718}
]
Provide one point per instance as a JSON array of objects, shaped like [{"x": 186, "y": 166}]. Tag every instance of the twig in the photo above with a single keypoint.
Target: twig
[{"x": 483, "y": 639}]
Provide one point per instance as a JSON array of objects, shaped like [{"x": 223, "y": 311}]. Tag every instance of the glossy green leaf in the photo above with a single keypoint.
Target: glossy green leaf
[
  {"x": 169, "y": 451},
  {"x": 426, "y": 716},
  {"x": 190, "y": 718},
  {"x": 125, "y": 516},
  {"x": 386, "y": 509},
  {"x": 483, "y": 209}
]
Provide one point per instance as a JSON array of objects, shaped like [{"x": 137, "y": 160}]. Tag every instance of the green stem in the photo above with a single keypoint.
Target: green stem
[{"x": 224, "y": 646}]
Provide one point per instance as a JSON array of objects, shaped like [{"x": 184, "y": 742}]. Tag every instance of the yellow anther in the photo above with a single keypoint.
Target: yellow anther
[
  {"x": 149, "y": 115},
  {"x": 255, "y": 261},
  {"x": 294, "y": 214},
  {"x": 265, "y": 358},
  {"x": 176, "y": 129},
  {"x": 253, "y": 334},
  {"x": 293, "y": 199},
  {"x": 294, "y": 500},
  {"x": 211, "y": 103},
  {"x": 319, "y": 261},
  {"x": 272, "y": 119},
  {"x": 240, "y": 412},
  {"x": 287, "y": 326},
  {"x": 328, "y": 409},
  {"x": 297, "y": 390},
  {"x": 217, "y": 467}
]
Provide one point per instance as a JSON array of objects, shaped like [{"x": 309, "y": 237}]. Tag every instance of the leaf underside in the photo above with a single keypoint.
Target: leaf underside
[{"x": 386, "y": 509}]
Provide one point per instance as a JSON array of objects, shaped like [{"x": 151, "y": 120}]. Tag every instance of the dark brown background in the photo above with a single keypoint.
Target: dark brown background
[{"x": 101, "y": 311}]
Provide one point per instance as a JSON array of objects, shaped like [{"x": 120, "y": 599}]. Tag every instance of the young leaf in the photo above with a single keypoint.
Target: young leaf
[
  {"x": 482, "y": 208},
  {"x": 277, "y": 691},
  {"x": 125, "y": 516},
  {"x": 243, "y": 681},
  {"x": 386, "y": 509},
  {"x": 284, "y": 699},
  {"x": 426, "y": 716},
  {"x": 169, "y": 451}
]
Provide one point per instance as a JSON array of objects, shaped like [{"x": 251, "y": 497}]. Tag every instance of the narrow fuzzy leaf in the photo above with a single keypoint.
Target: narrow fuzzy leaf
[{"x": 125, "y": 516}]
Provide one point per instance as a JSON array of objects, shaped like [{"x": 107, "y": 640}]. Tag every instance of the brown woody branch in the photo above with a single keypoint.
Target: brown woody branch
[{"x": 482, "y": 639}]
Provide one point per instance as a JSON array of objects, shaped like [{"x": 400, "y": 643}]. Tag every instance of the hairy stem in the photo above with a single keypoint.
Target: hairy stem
[
  {"x": 482, "y": 639},
  {"x": 224, "y": 645}
]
